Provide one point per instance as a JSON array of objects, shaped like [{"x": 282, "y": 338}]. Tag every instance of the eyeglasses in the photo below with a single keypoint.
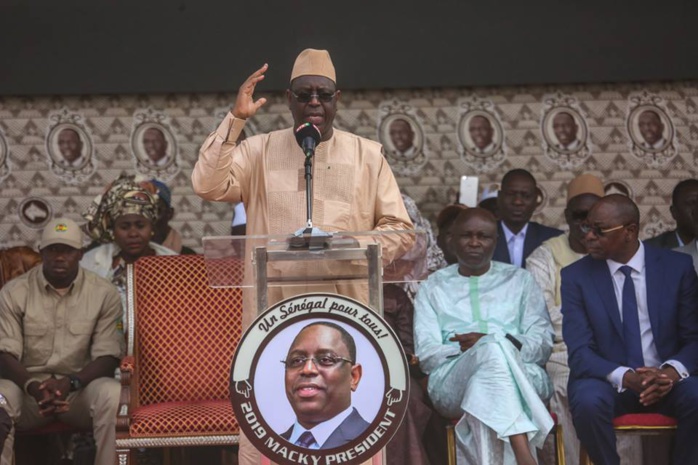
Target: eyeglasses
[
  {"x": 585, "y": 228},
  {"x": 305, "y": 97},
  {"x": 323, "y": 361}
]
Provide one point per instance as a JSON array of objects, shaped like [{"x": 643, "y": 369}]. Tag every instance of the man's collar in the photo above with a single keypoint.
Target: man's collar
[
  {"x": 322, "y": 431},
  {"x": 637, "y": 262},
  {"x": 508, "y": 234}
]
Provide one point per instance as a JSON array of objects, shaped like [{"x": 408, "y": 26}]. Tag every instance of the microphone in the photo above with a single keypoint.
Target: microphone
[{"x": 308, "y": 136}]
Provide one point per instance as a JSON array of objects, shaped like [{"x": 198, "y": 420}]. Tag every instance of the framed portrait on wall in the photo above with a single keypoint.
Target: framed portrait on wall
[
  {"x": 564, "y": 131},
  {"x": 650, "y": 128},
  {"x": 480, "y": 133},
  {"x": 69, "y": 146},
  {"x": 403, "y": 137},
  {"x": 651, "y": 131},
  {"x": 154, "y": 144}
]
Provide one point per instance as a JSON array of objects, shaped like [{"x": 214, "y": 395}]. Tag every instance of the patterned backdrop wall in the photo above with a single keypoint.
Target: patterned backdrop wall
[{"x": 58, "y": 153}]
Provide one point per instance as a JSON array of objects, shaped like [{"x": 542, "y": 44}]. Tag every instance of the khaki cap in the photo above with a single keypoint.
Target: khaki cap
[
  {"x": 311, "y": 62},
  {"x": 585, "y": 184},
  {"x": 61, "y": 231}
]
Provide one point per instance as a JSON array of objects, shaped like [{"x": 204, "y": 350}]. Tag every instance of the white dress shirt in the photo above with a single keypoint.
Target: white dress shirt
[
  {"x": 515, "y": 244},
  {"x": 649, "y": 349}
]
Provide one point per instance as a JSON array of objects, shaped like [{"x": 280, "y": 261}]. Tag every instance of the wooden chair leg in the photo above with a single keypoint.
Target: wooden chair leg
[
  {"x": 584, "y": 457},
  {"x": 451, "y": 444},
  {"x": 559, "y": 445}
]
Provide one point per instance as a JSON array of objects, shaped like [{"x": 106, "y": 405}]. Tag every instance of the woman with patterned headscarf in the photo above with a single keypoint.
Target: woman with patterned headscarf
[{"x": 122, "y": 220}]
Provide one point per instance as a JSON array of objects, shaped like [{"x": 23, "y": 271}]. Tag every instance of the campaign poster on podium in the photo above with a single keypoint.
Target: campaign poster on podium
[{"x": 319, "y": 379}]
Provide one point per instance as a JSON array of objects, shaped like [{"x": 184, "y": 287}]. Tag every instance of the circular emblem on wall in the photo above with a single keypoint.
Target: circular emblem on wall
[
  {"x": 652, "y": 134},
  {"x": 480, "y": 135},
  {"x": 154, "y": 144},
  {"x": 35, "y": 212},
  {"x": 565, "y": 131},
  {"x": 69, "y": 146},
  {"x": 320, "y": 378},
  {"x": 402, "y": 137}
]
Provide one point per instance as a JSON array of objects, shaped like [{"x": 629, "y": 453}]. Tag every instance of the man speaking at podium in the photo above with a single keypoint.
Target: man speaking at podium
[{"x": 353, "y": 186}]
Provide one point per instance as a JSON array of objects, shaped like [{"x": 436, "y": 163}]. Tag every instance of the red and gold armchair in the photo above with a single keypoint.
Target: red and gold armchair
[{"x": 181, "y": 336}]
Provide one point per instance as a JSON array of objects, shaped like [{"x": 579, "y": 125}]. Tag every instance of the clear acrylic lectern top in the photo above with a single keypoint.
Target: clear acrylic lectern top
[{"x": 355, "y": 264}]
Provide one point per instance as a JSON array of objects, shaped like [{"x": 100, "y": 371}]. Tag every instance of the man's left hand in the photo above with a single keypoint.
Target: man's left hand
[
  {"x": 58, "y": 388},
  {"x": 466, "y": 340},
  {"x": 657, "y": 383}
]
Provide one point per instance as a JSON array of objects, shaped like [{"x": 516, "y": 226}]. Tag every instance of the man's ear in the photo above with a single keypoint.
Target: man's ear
[
  {"x": 356, "y": 372},
  {"x": 632, "y": 231}
]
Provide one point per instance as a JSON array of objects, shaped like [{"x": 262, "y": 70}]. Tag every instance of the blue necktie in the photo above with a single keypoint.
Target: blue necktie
[
  {"x": 305, "y": 440},
  {"x": 631, "y": 322}
]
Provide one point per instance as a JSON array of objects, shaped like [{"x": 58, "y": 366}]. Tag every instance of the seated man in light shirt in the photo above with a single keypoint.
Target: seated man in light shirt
[{"x": 483, "y": 335}]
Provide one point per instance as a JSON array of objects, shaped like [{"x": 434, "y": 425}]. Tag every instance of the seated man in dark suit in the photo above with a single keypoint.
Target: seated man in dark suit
[
  {"x": 518, "y": 236},
  {"x": 683, "y": 199},
  {"x": 321, "y": 373},
  {"x": 630, "y": 321}
]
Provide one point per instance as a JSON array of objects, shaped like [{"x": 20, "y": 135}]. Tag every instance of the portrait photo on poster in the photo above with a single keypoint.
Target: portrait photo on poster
[
  {"x": 650, "y": 128},
  {"x": 564, "y": 130},
  {"x": 480, "y": 133},
  {"x": 154, "y": 146},
  {"x": 333, "y": 380},
  {"x": 401, "y": 136},
  {"x": 282, "y": 415},
  {"x": 69, "y": 147}
]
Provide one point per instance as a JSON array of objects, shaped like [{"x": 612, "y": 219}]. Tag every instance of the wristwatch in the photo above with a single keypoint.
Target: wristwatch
[{"x": 75, "y": 383}]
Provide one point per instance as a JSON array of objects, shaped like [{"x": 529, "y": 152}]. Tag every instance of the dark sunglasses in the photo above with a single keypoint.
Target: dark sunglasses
[{"x": 305, "y": 97}]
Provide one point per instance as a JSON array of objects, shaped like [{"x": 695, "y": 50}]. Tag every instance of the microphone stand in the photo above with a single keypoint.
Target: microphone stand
[{"x": 310, "y": 237}]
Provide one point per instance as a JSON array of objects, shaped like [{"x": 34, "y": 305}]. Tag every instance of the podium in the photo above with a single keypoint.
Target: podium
[
  {"x": 275, "y": 266},
  {"x": 313, "y": 270}
]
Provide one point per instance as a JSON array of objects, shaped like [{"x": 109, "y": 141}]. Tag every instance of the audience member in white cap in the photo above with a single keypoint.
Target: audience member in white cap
[
  {"x": 488, "y": 199},
  {"x": 60, "y": 341}
]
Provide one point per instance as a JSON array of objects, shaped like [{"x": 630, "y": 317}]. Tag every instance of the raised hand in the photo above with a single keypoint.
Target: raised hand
[{"x": 245, "y": 105}]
